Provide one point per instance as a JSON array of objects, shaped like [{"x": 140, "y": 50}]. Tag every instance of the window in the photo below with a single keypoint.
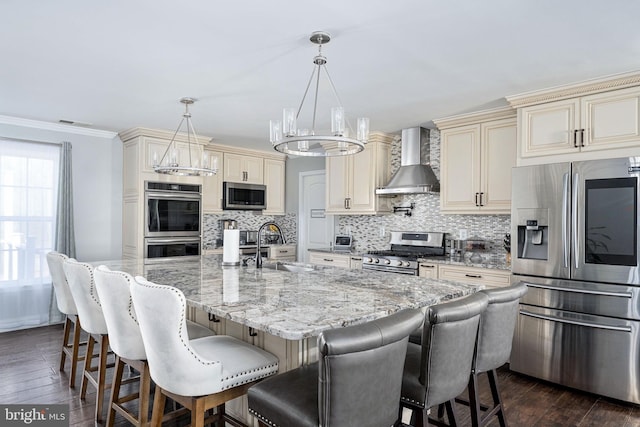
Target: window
[{"x": 28, "y": 194}]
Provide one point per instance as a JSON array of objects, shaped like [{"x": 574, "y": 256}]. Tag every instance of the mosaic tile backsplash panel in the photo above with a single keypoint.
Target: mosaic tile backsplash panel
[{"x": 372, "y": 232}]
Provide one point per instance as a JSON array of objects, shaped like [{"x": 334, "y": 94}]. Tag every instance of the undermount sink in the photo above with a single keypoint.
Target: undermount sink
[{"x": 289, "y": 266}]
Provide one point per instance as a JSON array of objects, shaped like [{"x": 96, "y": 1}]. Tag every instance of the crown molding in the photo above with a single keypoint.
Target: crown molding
[
  {"x": 56, "y": 127},
  {"x": 161, "y": 134},
  {"x": 475, "y": 117},
  {"x": 586, "y": 87}
]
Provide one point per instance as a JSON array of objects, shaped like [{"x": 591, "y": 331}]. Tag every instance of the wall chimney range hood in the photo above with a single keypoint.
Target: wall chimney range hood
[{"x": 414, "y": 176}]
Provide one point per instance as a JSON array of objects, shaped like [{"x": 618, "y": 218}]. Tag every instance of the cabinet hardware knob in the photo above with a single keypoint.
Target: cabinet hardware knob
[
  {"x": 481, "y": 198},
  {"x": 427, "y": 266},
  {"x": 582, "y": 137},
  {"x": 213, "y": 318},
  {"x": 477, "y": 194},
  {"x": 575, "y": 138},
  {"x": 252, "y": 332},
  {"x": 474, "y": 276},
  {"x": 328, "y": 259}
]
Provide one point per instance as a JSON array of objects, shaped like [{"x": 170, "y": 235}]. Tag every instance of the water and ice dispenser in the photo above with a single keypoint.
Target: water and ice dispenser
[{"x": 533, "y": 234}]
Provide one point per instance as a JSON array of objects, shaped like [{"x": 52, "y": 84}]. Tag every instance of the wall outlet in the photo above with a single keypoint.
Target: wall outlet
[
  {"x": 463, "y": 234},
  {"x": 381, "y": 231}
]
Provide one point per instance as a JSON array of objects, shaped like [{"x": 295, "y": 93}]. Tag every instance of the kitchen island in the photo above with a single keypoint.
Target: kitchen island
[{"x": 283, "y": 311}]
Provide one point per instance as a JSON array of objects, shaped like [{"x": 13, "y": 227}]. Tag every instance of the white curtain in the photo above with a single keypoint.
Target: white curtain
[{"x": 28, "y": 196}]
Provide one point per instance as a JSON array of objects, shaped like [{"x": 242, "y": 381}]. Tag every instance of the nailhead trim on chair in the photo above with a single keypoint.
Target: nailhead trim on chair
[
  {"x": 250, "y": 379},
  {"x": 126, "y": 277},
  {"x": 413, "y": 402},
  {"x": 261, "y": 418}
]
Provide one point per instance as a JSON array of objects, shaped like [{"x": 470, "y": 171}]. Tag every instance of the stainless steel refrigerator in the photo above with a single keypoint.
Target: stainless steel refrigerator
[{"x": 575, "y": 244}]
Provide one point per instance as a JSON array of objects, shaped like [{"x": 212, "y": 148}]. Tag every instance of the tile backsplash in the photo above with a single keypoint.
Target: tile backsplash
[{"x": 372, "y": 232}]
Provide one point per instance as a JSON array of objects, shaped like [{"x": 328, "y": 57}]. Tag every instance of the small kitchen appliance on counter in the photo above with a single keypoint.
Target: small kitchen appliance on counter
[{"x": 342, "y": 243}]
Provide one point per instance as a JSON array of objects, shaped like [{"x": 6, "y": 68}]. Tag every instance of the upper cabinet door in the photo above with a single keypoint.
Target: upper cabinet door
[
  {"x": 460, "y": 169},
  {"x": 549, "y": 128},
  {"x": 274, "y": 179},
  {"x": 611, "y": 119},
  {"x": 338, "y": 179},
  {"x": 499, "y": 151},
  {"x": 212, "y": 186},
  {"x": 240, "y": 168}
]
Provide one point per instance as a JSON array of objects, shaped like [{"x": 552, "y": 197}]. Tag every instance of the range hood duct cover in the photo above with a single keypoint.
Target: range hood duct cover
[{"x": 413, "y": 176}]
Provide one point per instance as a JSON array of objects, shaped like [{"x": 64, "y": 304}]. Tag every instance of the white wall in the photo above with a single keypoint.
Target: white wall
[{"x": 97, "y": 182}]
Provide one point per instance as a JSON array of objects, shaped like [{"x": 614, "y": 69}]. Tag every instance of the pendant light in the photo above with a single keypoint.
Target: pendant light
[
  {"x": 198, "y": 162},
  {"x": 287, "y": 138}
]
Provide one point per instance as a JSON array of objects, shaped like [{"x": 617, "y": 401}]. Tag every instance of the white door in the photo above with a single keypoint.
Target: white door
[{"x": 316, "y": 228}]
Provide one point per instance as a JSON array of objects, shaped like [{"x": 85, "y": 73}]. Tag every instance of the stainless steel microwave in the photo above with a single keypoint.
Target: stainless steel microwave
[{"x": 239, "y": 196}]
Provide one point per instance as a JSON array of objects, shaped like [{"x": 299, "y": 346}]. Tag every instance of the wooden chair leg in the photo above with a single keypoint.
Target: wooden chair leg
[
  {"x": 451, "y": 413},
  {"x": 144, "y": 395},
  {"x": 115, "y": 391},
  {"x": 87, "y": 366},
  {"x": 159, "y": 400},
  {"x": 474, "y": 401},
  {"x": 197, "y": 413},
  {"x": 75, "y": 352},
  {"x": 497, "y": 399},
  {"x": 65, "y": 342},
  {"x": 102, "y": 376}
]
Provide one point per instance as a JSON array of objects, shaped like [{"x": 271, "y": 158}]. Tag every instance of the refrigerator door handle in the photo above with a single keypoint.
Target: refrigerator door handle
[
  {"x": 576, "y": 322},
  {"x": 565, "y": 219},
  {"x": 574, "y": 219},
  {"x": 628, "y": 295}
]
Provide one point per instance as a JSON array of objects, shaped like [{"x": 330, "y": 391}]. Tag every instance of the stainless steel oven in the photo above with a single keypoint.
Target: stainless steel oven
[
  {"x": 163, "y": 247},
  {"x": 172, "y": 210},
  {"x": 406, "y": 249}
]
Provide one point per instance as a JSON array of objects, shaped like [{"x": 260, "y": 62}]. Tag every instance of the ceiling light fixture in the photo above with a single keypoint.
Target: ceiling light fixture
[
  {"x": 170, "y": 162},
  {"x": 287, "y": 138}
]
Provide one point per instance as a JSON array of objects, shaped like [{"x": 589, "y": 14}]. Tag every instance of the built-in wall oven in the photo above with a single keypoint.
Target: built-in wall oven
[
  {"x": 173, "y": 218},
  {"x": 575, "y": 227}
]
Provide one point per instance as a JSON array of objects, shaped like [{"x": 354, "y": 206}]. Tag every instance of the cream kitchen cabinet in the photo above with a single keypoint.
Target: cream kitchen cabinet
[
  {"x": 274, "y": 179},
  {"x": 486, "y": 276},
  {"x": 330, "y": 259},
  {"x": 596, "y": 122},
  {"x": 428, "y": 270},
  {"x": 282, "y": 252},
  {"x": 476, "y": 162},
  {"x": 352, "y": 180},
  {"x": 212, "y": 186},
  {"x": 590, "y": 116},
  {"x": 243, "y": 168}
]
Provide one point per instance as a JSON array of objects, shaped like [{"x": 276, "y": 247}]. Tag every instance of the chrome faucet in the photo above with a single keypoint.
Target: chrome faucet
[{"x": 259, "y": 240}]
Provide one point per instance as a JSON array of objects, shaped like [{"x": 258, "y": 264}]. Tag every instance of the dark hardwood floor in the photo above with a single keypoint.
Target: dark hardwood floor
[{"x": 29, "y": 361}]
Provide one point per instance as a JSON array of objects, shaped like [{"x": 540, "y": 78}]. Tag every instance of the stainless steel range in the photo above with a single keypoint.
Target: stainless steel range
[{"x": 406, "y": 248}]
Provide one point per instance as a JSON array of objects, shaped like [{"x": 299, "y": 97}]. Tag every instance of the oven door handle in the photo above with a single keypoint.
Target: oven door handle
[
  {"x": 160, "y": 241},
  {"x": 581, "y": 291},
  {"x": 173, "y": 196},
  {"x": 576, "y": 322}
]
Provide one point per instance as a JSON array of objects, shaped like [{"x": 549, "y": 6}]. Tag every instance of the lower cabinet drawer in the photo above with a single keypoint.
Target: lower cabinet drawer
[
  {"x": 485, "y": 276},
  {"x": 331, "y": 260}
]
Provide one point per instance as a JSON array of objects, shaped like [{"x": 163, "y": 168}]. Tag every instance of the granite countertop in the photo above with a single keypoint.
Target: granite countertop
[{"x": 290, "y": 305}]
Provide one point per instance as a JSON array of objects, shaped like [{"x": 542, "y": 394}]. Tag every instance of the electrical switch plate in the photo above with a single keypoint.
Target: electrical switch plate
[
  {"x": 463, "y": 234},
  {"x": 381, "y": 231}
]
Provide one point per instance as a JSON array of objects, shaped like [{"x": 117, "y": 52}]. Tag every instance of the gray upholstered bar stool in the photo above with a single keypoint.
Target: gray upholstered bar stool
[
  {"x": 125, "y": 340},
  {"x": 82, "y": 285},
  {"x": 200, "y": 374},
  {"x": 67, "y": 306},
  {"x": 493, "y": 350},
  {"x": 356, "y": 381},
  {"x": 437, "y": 370}
]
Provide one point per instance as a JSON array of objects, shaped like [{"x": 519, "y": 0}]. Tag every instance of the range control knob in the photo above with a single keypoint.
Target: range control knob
[
  {"x": 376, "y": 261},
  {"x": 366, "y": 259},
  {"x": 406, "y": 263},
  {"x": 386, "y": 261},
  {"x": 398, "y": 263}
]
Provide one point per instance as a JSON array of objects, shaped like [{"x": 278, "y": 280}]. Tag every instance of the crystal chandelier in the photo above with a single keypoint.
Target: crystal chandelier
[
  {"x": 170, "y": 163},
  {"x": 287, "y": 138}
]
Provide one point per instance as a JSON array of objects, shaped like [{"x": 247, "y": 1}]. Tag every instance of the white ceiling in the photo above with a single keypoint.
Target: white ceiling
[{"x": 120, "y": 64}]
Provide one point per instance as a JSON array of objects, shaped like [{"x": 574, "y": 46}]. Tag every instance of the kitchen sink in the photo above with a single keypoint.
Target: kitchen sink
[{"x": 294, "y": 267}]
